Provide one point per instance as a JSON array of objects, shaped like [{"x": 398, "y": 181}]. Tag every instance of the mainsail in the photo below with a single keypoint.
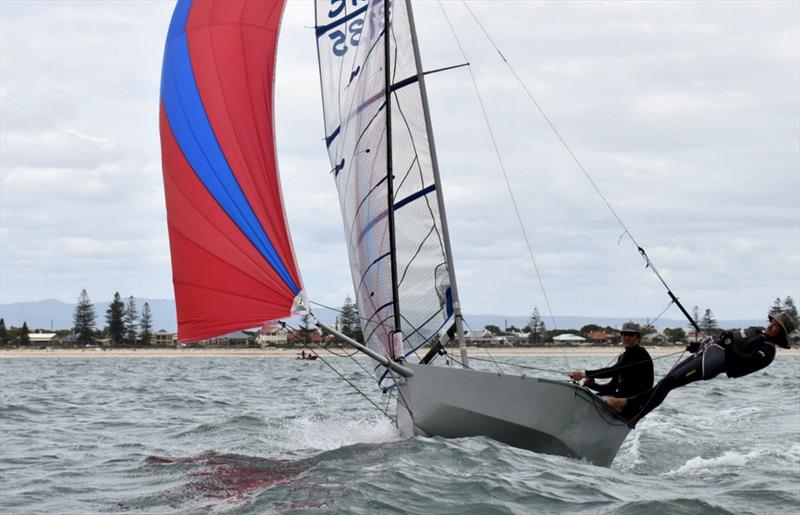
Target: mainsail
[
  {"x": 232, "y": 259},
  {"x": 352, "y": 55}
]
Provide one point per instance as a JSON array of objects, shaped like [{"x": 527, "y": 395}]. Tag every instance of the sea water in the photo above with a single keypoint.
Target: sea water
[{"x": 277, "y": 435}]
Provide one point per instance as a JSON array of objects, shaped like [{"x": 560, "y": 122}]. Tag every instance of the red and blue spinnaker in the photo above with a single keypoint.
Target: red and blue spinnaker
[{"x": 233, "y": 264}]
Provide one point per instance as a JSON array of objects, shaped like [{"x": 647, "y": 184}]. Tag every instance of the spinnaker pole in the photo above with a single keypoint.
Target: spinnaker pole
[{"x": 462, "y": 345}]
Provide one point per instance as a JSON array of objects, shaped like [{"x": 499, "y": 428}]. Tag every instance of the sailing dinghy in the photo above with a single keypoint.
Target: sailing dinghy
[{"x": 232, "y": 258}]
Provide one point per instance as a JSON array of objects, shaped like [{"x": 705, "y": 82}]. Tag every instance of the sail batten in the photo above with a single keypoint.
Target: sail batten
[{"x": 232, "y": 258}]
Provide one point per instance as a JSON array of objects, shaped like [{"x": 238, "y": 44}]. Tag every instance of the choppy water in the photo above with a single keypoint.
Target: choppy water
[{"x": 272, "y": 435}]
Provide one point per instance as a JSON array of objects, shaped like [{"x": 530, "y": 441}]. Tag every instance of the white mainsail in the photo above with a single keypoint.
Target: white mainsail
[
  {"x": 385, "y": 185},
  {"x": 350, "y": 43}
]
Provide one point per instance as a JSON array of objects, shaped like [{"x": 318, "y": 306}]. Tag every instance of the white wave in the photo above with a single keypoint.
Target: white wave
[
  {"x": 630, "y": 455},
  {"x": 729, "y": 459},
  {"x": 794, "y": 452},
  {"x": 333, "y": 433}
]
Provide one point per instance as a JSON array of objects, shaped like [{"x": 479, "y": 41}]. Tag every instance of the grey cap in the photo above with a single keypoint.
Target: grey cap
[
  {"x": 631, "y": 327},
  {"x": 787, "y": 324}
]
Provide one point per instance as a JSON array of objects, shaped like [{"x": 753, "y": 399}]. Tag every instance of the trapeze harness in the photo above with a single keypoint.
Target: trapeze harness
[{"x": 738, "y": 358}]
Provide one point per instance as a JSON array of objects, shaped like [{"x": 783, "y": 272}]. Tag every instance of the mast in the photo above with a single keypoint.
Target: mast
[
  {"x": 462, "y": 345},
  {"x": 390, "y": 175}
]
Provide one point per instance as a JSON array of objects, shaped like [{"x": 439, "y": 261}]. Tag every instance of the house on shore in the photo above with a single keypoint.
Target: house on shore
[
  {"x": 234, "y": 339},
  {"x": 42, "y": 338},
  {"x": 164, "y": 338},
  {"x": 600, "y": 338},
  {"x": 272, "y": 335},
  {"x": 569, "y": 339}
]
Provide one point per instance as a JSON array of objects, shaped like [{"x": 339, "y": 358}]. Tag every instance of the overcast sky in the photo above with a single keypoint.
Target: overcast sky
[{"x": 687, "y": 116}]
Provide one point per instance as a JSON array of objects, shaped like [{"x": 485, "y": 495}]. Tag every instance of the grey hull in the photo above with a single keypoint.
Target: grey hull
[{"x": 553, "y": 417}]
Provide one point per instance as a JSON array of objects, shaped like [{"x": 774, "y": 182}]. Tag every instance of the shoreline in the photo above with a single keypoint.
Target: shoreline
[{"x": 96, "y": 352}]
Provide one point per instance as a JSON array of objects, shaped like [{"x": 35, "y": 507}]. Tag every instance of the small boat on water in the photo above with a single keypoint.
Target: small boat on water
[{"x": 306, "y": 357}]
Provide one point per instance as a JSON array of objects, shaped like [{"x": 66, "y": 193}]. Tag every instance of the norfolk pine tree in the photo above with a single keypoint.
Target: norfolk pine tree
[
  {"x": 708, "y": 323},
  {"x": 146, "y": 324},
  {"x": 84, "y": 319},
  {"x": 115, "y": 326},
  {"x": 776, "y": 307},
  {"x": 536, "y": 326},
  {"x": 130, "y": 318},
  {"x": 24, "y": 339},
  {"x": 785, "y": 306},
  {"x": 3, "y": 332},
  {"x": 349, "y": 319}
]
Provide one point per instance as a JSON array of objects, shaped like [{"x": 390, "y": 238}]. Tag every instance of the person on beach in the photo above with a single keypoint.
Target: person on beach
[
  {"x": 733, "y": 354},
  {"x": 630, "y": 375}
]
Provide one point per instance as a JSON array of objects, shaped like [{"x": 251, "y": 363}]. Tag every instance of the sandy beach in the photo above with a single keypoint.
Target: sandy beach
[{"x": 292, "y": 353}]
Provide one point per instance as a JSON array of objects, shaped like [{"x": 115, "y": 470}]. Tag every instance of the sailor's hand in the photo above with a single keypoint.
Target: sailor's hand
[
  {"x": 576, "y": 375},
  {"x": 693, "y": 347},
  {"x": 588, "y": 381}
]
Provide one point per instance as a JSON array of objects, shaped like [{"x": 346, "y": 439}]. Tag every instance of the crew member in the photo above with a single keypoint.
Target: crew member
[{"x": 630, "y": 375}]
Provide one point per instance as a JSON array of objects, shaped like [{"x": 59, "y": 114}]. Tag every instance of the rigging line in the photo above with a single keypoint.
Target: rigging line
[
  {"x": 681, "y": 352},
  {"x": 516, "y": 365},
  {"x": 360, "y": 318},
  {"x": 550, "y": 123},
  {"x": 469, "y": 327},
  {"x": 345, "y": 355},
  {"x": 351, "y": 356},
  {"x": 341, "y": 376},
  {"x": 496, "y": 363},
  {"x": 527, "y": 367},
  {"x": 502, "y": 168},
  {"x": 649, "y": 263},
  {"x": 354, "y": 360},
  {"x": 652, "y": 324}
]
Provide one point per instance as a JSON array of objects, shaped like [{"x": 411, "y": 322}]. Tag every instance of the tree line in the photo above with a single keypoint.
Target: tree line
[{"x": 124, "y": 324}]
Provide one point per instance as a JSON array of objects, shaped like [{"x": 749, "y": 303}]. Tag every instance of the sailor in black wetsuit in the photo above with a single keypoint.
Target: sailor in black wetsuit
[
  {"x": 630, "y": 375},
  {"x": 733, "y": 354}
]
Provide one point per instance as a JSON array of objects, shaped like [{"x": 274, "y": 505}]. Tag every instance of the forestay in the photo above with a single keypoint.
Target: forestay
[{"x": 350, "y": 43}]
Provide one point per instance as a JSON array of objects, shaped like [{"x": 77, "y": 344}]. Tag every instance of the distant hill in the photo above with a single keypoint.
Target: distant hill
[{"x": 55, "y": 314}]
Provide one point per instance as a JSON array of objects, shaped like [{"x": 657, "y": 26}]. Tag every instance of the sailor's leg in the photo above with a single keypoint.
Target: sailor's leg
[{"x": 685, "y": 372}]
